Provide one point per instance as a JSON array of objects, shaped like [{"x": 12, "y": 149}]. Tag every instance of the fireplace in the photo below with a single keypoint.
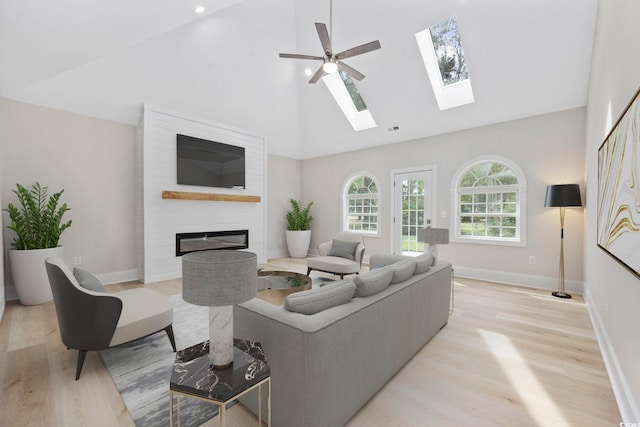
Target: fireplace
[{"x": 211, "y": 240}]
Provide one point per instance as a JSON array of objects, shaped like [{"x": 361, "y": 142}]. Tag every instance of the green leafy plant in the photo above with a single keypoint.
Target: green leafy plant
[
  {"x": 299, "y": 218},
  {"x": 297, "y": 281},
  {"x": 38, "y": 224}
]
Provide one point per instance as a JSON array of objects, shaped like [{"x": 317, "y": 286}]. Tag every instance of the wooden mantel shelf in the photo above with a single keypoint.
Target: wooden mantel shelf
[{"x": 185, "y": 195}]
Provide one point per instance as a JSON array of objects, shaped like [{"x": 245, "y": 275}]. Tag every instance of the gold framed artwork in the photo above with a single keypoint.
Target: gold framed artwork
[{"x": 619, "y": 189}]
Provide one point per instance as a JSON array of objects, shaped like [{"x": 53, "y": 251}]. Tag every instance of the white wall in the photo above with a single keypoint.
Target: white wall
[
  {"x": 612, "y": 292},
  {"x": 284, "y": 183},
  {"x": 225, "y": 68},
  {"x": 94, "y": 162},
  {"x": 549, "y": 149},
  {"x": 162, "y": 219}
]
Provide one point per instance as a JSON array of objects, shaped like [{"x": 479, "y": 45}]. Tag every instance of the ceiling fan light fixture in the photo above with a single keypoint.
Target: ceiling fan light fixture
[{"x": 330, "y": 67}]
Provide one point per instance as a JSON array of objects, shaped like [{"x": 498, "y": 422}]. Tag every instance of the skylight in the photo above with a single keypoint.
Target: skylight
[
  {"x": 443, "y": 56},
  {"x": 353, "y": 92},
  {"x": 344, "y": 91}
]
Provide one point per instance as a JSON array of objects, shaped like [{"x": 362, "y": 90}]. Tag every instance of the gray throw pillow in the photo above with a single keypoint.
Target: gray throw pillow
[
  {"x": 88, "y": 280},
  {"x": 372, "y": 282},
  {"x": 402, "y": 270},
  {"x": 423, "y": 263},
  {"x": 343, "y": 249},
  {"x": 319, "y": 299}
]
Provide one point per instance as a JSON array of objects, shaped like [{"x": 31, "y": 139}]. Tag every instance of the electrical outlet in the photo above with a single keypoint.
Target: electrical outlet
[
  {"x": 77, "y": 260},
  {"x": 532, "y": 260}
]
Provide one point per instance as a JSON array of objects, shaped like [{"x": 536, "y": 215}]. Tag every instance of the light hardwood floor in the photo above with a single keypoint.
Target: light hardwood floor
[{"x": 509, "y": 356}]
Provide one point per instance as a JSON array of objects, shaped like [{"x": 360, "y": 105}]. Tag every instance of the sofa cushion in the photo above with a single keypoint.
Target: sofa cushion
[
  {"x": 372, "y": 282},
  {"x": 402, "y": 270},
  {"x": 319, "y": 299},
  {"x": 423, "y": 263},
  {"x": 343, "y": 249},
  {"x": 88, "y": 280}
]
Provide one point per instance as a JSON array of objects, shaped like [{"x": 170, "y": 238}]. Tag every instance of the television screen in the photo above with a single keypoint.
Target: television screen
[{"x": 209, "y": 163}]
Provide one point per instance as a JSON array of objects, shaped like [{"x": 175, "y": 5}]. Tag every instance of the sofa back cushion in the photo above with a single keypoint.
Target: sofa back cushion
[
  {"x": 319, "y": 299},
  {"x": 402, "y": 270},
  {"x": 423, "y": 263},
  {"x": 373, "y": 281}
]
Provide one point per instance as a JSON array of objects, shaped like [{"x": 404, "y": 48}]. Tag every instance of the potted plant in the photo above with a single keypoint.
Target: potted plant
[
  {"x": 298, "y": 234},
  {"x": 38, "y": 226}
]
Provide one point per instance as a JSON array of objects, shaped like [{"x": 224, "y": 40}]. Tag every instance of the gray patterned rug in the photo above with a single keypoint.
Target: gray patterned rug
[{"x": 141, "y": 370}]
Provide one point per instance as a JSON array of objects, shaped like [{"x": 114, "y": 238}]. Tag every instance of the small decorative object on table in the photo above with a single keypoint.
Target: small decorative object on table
[{"x": 194, "y": 377}]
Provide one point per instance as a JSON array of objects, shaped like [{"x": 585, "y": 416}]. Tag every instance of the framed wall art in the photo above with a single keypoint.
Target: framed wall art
[{"x": 619, "y": 189}]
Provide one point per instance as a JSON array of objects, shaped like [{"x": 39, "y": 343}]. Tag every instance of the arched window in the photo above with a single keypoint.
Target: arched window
[
  {"x": 490, "y": 202},
  {"x": 361, "y": 204}
]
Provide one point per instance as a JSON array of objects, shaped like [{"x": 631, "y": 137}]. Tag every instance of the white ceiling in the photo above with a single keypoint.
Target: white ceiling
[{"x": 106, "y": 58}]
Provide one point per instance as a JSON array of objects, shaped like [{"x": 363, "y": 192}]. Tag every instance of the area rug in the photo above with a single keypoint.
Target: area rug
[{"x": 141, "y": 370}]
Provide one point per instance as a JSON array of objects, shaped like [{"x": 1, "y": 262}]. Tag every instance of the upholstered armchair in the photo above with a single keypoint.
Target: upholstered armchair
[
  {"x": 92, "y": 320},
  {"x": 341, "y": 256}
]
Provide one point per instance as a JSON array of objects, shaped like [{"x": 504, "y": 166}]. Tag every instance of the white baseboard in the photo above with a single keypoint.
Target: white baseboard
[
  {"x": 518, "y": 279},
  {"x": 628, "y": 406},
  {"x": 118, "y": 276}
]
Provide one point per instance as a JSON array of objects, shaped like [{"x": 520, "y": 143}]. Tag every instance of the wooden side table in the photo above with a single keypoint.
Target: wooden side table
[{"x": 194, "y": 377}]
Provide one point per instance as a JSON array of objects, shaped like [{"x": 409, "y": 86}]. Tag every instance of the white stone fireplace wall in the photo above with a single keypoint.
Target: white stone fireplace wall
[{"x": 159, "y": 219}]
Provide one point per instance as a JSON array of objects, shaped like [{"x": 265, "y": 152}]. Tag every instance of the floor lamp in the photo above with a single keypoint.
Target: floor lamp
[{"x": 562, "y": 196}]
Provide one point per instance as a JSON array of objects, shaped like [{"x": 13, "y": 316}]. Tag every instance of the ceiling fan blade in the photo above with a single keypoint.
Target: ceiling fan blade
[
  {"x": 324, "y": 38},
  {"x": 317, "y": 75},
  {"x": 358, "y": 50},
  {"x": 351, "y": 71},
  {"x": 296, "y": 56}
]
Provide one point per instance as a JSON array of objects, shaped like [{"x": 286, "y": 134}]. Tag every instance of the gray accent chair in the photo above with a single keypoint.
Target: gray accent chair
[
  {"x": 91, "y": 321},
  {"x": 339, "y": 265}
]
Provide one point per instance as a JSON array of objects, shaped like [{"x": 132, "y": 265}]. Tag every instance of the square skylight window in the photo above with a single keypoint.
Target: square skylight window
[
  {"x": 353, "y": 91},
  {"x": 443, "y": 56},
  {"x": 344, "y": 91}
]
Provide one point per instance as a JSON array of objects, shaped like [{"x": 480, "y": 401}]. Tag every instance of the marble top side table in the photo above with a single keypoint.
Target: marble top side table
[{"x": 194, "y": 377}]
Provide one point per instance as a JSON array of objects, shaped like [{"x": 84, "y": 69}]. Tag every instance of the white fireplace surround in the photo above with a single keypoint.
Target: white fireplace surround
[{"x": 159, "y": 219}]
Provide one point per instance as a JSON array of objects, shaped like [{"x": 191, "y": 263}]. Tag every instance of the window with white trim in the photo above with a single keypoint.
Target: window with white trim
[
  {"x": 360, "y": 204},
  {"x": 490, "y": 202}
]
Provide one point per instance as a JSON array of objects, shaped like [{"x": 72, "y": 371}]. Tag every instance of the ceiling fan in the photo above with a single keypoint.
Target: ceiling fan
[{"x": 333, "y": 62}]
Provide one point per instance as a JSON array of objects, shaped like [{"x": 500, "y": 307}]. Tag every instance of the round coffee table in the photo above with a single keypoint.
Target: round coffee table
[{"x": 274, "y": 286}]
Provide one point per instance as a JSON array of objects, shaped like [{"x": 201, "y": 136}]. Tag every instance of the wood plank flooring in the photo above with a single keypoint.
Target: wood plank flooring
[{"x": 509, "y": 356}]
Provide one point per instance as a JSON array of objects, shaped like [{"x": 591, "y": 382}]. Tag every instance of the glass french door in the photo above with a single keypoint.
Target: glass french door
[{"x": 413, "y": 200}]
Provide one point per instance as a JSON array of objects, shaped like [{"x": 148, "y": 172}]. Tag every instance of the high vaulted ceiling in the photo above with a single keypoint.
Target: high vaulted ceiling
[{"x": 107, "y": 58}]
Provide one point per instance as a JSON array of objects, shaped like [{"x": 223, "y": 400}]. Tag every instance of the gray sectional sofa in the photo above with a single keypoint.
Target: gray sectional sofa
[{"x": 327, "y": 364}]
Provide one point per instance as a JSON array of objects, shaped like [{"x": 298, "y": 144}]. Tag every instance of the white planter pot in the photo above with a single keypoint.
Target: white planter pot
[
  {"x": 298, "y": 242},
  {"x": 30, "y": 275}
]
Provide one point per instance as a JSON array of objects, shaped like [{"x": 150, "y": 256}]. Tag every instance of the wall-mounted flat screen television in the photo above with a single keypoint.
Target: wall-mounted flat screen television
[{"x": 210, "y": 163}]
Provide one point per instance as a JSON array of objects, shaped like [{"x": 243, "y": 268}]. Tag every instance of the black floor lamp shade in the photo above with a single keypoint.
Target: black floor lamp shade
[{"x": 563, "y": 195}]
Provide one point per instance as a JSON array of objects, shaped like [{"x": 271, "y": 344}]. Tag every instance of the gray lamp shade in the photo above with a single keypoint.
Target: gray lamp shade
[
  {"x": 563, "y": 195},
  {"x": 433, "y": 236},
  {"x": 218, "y": 278}
]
